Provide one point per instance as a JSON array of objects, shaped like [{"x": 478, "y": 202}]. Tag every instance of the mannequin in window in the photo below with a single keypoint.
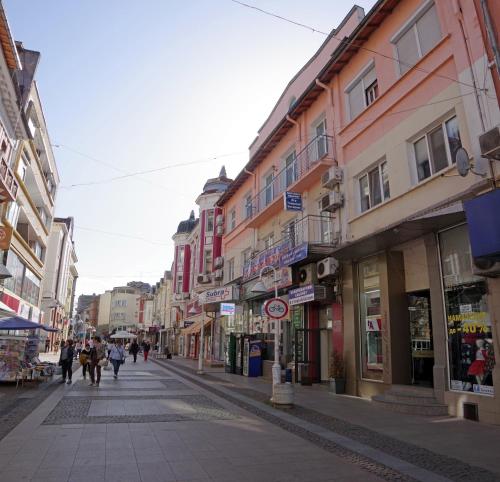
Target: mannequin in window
[{"x": 477, "y": 367}]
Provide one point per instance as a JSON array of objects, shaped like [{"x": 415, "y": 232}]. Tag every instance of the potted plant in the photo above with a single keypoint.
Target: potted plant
[{"x": 337, "y": 373}]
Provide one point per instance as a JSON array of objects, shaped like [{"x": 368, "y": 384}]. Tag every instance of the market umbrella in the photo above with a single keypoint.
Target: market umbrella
[
  {"x": 123, "y": 334},
  {"x": 20, "y": 323}
]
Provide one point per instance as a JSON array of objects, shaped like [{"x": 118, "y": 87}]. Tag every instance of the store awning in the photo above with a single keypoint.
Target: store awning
[
  {"x": 401, "y": 232},
  {"x": 194, "y": 328}
]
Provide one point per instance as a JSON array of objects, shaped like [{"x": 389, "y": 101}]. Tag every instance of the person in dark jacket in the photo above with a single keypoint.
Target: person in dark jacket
[
  {"x": 66, "y": 361},
  {"x": 134, "y": 349}
]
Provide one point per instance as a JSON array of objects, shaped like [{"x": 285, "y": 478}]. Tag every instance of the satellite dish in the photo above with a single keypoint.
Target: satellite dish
[{"x": 462, "y": 161}]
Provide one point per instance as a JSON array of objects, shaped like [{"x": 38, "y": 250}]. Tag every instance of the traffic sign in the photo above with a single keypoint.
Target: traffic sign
[{"x": 276, "y": 308}]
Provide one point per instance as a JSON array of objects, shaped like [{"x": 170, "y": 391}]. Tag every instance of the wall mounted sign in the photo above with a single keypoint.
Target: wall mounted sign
[
  {"x": 215, "y": 295},
  {"x": 227, "y": 309},
  {"x": 276, "y": 308},
  {"x": 301, "y": 295},
  {"x": 293, "y": 255},
  {"x": 292, "y": 201}
]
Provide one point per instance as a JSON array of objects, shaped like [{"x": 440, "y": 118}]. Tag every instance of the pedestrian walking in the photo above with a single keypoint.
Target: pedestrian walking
[
  {"x": 97, "y": 361},
  {"x": 146, "y": 347},
  {"x": 117, "y": 357},
  {"x": 134, "y": 349},
  {"x": 78, "y": 349},
  {"x": 66, "y": 361},
  {"x": 85, "y": 360}
]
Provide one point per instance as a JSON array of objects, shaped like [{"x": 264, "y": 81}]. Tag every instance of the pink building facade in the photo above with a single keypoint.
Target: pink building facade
[{"x": 369, "y": 133}]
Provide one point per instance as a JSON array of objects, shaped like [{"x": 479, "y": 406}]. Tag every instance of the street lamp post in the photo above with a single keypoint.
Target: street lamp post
[{"x": 276, "y": 370}]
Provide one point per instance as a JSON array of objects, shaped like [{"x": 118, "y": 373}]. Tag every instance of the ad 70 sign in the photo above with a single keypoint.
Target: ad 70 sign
[{"x": 276, "y": 308}]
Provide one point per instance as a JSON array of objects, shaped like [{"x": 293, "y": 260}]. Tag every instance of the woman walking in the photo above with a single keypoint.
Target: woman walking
[
  {"x": 134, "y": 349},
  {"x": 66, "y": 361},
  {"x": 85, "y": 360},
  {"x": 146, "y": 347},
  {"x": 117, "y": 357},
  {"x": 97, "y": 354}
]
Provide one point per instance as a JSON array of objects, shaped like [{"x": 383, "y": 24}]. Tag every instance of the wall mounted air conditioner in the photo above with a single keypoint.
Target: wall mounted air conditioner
[
  {"x": 177, "y": 296},
  {"x": 332, "y": 201},
  {"x": 327, "y": 267},
  {"x": 203, "y": 278},
  {"x": 219, "y": 262},
  {"x": 308, "y": 275},
  {"x": 489, "y": 143},
  {"x": 332, "y": 177},
  {"x": 486, "y": 267},
  {"x": 219, "y": 274},
  {"x": 219, "y": 230},
  {"x": 219, "y": 220}
]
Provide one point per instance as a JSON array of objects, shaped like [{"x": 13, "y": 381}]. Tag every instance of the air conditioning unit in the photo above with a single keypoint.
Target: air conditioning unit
[
  {"x": 177, "y": 296},
  {"x": 327, "y": 267},
  {"x": 219, "y": 230},
  {"x": 490, "y": 143},
  {"x": 332, "y": 177},
  {"x": 203, "y": 278},
  {"x": 219, "y": 262},
  {"x": 332, "y": 201},
  {"x": 308, "y": 274},
  {"x": 219, "y": 274},
  {"x": 185, "y": 295},
  {"x": 219, "y": 220},
  {"x": 486, "y": 267}
]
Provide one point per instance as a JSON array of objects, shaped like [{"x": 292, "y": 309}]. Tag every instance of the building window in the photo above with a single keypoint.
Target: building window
[
  {"x": 232, "y": 219},
  {"x": 370, "y": 320},
  {"x": 291, "y": 171},
  {"x": 268, "y": 241},
  {"x": 13, "y": 213},
  {"x": 178, "y": 287},
  {"x": 210, "y": 221},
  {"x": 16, "y": 269},
  {"x": 230, "y": 269},
  {"x": 362, "y": 92},
  {"x": 248, "y": 206},
  {"x": 374, "y": 187},
  {"x": 268, "y": 190},
  {"x": 436, "y": 150},
  {"x": 468, "y": 321},
  {"x": 417, "y": 38},
  {"x": 321, "y": 144},
  {"x": 207, "y": 259},
  {"x": 246, "y": 256},
  {"x": 180, "y": 260},
  {"x": 21, "y": 170}
]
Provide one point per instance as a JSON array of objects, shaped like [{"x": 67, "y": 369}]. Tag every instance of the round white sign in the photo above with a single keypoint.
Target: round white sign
[{"x": 276, "y": 308}]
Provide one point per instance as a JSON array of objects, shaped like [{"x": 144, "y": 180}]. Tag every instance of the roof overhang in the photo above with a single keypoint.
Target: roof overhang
[{"x": 7, "y": 42}]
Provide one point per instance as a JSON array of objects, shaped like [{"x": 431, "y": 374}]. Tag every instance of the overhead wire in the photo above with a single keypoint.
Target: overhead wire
[{"x": 356, "y": 44}]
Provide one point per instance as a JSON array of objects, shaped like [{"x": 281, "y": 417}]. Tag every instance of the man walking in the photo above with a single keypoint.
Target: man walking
[
  {"x": 146, "y": 347},
  {"x": 97, "y": 354},
  {"x": 134, "y": 349},
  {"x": 66, "y": 361},
  {"x": 117, "y": 357}
]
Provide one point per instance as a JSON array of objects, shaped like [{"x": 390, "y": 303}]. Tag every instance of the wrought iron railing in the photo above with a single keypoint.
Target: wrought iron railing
[
  {"x": 311, "y": 229},
  {"x": 318, "y": 149}
]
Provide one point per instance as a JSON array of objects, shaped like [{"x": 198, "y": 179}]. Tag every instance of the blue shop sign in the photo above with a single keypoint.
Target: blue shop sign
[
  {"x": 293, "y": 201},
  {"x": 301, "y": 295},
  {"x": 294, "y": 255}
]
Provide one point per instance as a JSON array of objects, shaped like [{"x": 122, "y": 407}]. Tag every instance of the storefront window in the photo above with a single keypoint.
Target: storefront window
[
  {"x": 370, "y": 320},
  {"x": 16, "y": 269},
  {"x": 470, "y": 344}
]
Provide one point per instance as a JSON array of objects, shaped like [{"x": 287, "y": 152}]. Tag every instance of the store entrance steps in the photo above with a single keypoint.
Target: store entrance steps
[{"x": 411, "y": 399}]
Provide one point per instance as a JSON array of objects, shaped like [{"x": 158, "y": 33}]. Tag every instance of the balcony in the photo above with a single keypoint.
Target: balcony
[
  {"x": 297, "y": 176},
  {"x": 8, "y": 184}
]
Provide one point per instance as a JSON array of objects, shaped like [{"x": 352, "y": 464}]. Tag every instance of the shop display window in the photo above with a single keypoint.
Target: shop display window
[
  {"x": 370, "y": 318},
  {"x": 470, "y": 341}
]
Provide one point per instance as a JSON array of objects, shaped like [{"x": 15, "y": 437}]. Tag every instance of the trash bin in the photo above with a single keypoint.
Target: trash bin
[{"x": 305, "y": 375}]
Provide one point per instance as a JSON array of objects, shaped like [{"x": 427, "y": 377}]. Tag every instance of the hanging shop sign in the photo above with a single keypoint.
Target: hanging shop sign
[
  {"x": 217, "y": 295},
  {"x": 276, "y": 308},
  {"x": 292, "y": 201},
  {"x": 227, "y": 309},
  {"x": 188, "y": 323},
  {"x": 294, "y": 255},
  {"x": 301, "y": 295}
]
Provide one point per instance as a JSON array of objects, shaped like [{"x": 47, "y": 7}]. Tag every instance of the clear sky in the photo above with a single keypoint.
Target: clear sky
[{"x": 138, "y": 85}]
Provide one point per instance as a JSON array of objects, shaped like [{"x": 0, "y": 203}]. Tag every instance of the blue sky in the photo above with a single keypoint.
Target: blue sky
[{"x": 142, "y": 85}]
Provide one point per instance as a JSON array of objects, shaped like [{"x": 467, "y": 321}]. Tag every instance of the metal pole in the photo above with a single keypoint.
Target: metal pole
[
  {"x": 276, "y": 366},
  {"x": 202, "y": 341}
]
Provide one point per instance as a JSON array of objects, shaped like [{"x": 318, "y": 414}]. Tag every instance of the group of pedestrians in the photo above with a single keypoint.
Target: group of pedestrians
[{"x": 93, "y": 358}]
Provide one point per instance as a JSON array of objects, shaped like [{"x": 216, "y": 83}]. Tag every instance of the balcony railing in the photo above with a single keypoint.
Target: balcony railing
[
  {"x": 318, "y": 149},
  {"x": 8, "y": 183},
  {"x": 311, "y": 230}
]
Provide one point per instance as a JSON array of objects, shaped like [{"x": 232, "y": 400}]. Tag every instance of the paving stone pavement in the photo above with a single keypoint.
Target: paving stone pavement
[
  {"x": 448, "y": 467},
  {"x": 133, "y": 433}
]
